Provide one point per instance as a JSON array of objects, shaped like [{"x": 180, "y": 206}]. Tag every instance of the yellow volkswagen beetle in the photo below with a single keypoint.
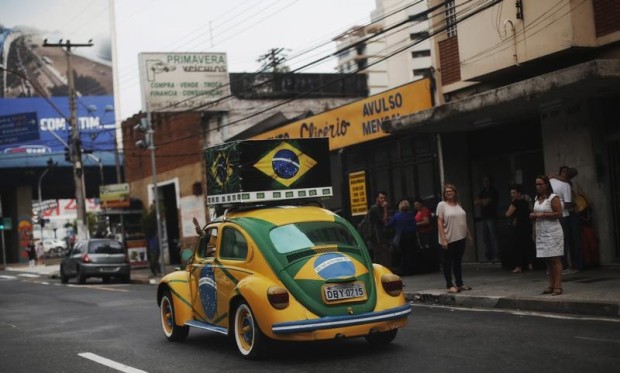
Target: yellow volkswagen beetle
[{"x": 289, "y": 273}]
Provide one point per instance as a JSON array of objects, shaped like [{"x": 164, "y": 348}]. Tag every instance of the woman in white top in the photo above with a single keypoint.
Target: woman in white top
[
  {"x": 549, "y": 234},
  {"x": 453, "y": 231}
]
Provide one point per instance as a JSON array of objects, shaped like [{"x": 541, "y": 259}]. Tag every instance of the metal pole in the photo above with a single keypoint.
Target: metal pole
[
  {"x": 151, "y": 139},
  {"x": 41, "y": 203}
]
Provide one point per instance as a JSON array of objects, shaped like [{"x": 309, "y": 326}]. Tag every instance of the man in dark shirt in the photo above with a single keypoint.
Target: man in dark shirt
[
  {"x": 377, "y": 217},
  {"x": 487, "y": 200}
]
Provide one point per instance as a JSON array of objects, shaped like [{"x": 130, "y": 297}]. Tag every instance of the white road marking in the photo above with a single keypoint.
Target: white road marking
[
  {"x": 110, "y": 363},
  {"x": 98, "y": 287},
  {"x": 28, "y": 275},
  {"x": 599, "y": 339},
  {"x": 6, "y": 277}
]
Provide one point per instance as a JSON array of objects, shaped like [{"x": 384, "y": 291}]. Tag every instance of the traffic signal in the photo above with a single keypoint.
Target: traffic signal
[
  {"x": 145, "y": 127},
  {"x": 1, "y": 223},
  {"x": 67, "y": 155}
]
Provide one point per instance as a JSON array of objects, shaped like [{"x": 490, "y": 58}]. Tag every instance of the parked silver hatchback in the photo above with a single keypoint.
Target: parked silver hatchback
[{"x": 97, "y": 257}]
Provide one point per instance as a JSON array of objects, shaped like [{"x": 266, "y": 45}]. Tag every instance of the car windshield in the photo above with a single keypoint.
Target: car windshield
[
  {"x": 293, "y": 237},
  {"x": 105, "y": 247}
]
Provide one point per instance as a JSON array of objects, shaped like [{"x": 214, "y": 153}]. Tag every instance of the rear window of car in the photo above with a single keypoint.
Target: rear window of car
[
  {"x": 293, "y": 237},
  {"x": 105, "y": 247}
]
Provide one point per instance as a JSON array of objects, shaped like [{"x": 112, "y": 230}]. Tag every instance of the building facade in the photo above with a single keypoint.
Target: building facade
[{"x": 523, "y": 88}]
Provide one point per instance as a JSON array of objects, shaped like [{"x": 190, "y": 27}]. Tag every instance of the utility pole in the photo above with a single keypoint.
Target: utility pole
[
  {"x": 75, "y": 150},
  {"x": 146, "y": 126}
]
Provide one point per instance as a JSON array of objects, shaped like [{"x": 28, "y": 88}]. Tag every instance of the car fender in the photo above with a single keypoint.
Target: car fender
[
  {"x": 178, "y": 284},
  {"x": 254, "y": 290},
  {"x": 384, "y": 300}
]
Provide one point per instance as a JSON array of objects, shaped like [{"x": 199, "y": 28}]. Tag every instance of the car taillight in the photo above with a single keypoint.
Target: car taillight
[
  {"x": 392, "y": 284},
  {"x": 278, "y": 297},
  {"x": 85, "y": 258}
]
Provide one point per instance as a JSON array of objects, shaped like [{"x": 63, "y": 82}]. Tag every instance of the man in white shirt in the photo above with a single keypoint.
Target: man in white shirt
[{"x": 562, "y": 188}]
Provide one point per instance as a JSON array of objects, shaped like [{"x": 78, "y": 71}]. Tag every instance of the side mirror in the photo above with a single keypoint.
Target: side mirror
[{"x": 186, "y": 256}]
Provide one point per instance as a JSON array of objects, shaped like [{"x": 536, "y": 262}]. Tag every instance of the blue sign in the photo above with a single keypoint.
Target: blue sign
[
  {"x": 34, "y": 129},
  {"x": 18, "y": 128}
]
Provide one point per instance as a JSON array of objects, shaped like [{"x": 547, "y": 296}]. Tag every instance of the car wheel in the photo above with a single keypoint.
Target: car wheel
[
  {"x": 173, "y": 332},
  {"x": 248, "y": 336},
  {"x": 381, "y": 338},
  {"x": 63, "y": 278},
  {"x": 51, "y": 253},
  {"x": 58, "y": 252},
  {"x": 81, "y": 276}
]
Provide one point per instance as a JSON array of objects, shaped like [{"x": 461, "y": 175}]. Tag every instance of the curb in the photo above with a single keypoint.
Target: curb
[{"x": 581, "y": 308}]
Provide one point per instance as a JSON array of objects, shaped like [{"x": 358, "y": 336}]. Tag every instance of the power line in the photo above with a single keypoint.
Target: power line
[{"x": 301, "y": 95}]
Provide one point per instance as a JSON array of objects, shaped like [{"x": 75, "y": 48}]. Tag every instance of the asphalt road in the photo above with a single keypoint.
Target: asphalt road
[{"x": 49, "y": 327}]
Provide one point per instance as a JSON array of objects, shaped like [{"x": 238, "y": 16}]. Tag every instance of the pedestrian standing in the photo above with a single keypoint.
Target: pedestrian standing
[
  {"x": 561, "y": 187},
  {"x": 32, "y": 254},
  {"x": 153, "y": 254},
  {"x": 548, "y": 231},
  {"x": 423, "y": 224},
  {"x": 373, "y": 224},
  {"x": 453, "y": 235},
  {"x": 487, "y": 200},
  {"x": 40, "y": 253},
  {"x": 404, "y": 240},
  {"x": 519, "y": 212}
]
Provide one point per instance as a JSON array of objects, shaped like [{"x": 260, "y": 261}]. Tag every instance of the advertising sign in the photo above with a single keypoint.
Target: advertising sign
[
  {"x": 34, "y": 103},
  {"x": 357, "y": 193},
  {"x": 114, "y": 195},
  {"x": 359, "y": 121},
  {"x": 268, "y": 170},
  {"x": 183, "y": 81},
  {"x": 18, "y": 127}
]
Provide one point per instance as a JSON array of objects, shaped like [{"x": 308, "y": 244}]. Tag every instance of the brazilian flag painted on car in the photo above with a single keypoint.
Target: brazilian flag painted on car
[{"x": 267, "y": 165}]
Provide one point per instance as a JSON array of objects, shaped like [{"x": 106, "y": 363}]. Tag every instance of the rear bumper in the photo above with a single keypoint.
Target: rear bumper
[
  {"x": 103, "y": 270},
  {"x": 332, "y": 322}
]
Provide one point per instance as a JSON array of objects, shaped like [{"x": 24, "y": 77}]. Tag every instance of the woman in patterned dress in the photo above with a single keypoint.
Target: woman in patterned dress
[{"x": 548, "y": 231}]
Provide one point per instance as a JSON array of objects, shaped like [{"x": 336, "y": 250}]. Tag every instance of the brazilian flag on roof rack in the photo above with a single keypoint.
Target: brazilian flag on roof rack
[{"x": 267, "y": 165}]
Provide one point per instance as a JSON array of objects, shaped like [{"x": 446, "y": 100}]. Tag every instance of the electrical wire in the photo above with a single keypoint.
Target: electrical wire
[{"x": 301, "y": 95}]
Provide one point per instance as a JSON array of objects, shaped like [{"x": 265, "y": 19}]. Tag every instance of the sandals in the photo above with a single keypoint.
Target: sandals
[
  {"x": 557, "y": 291},
  {"x": 454, "y": 290},
  {"x": 465, "y": 287},
  {"x": 547, "y": 291}
]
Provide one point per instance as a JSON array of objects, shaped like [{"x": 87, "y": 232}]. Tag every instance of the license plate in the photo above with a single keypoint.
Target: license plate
[
  {"x": 334, "y": 292},
  {"x": 108, "y": 269}
]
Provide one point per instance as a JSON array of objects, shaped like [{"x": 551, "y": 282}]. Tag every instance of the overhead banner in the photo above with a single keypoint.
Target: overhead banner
[
  {"x": 359, "y": 121},
  {"x": 183, "y": 81},
  {"x": 34, "y": 102}
]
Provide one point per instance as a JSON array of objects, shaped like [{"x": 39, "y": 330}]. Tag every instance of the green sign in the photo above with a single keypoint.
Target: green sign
[{"x": 6, "y": 224}]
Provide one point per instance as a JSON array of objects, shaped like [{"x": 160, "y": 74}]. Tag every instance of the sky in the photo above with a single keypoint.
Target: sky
[{"x": 243, "y": 29}]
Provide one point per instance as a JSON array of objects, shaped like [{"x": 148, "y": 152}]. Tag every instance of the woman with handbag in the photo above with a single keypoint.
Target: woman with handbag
[{"x": 453, "y": 234}]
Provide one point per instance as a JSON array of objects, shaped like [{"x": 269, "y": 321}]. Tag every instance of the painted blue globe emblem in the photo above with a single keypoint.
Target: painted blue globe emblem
[
  {"x": 285, "y": 163},
  {"x": 334, "y": 265},
  {"x": 208, "y": 291}
]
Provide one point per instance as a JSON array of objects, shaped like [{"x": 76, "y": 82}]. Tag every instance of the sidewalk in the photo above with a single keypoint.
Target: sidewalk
[{"x": 594, "y": 292}]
